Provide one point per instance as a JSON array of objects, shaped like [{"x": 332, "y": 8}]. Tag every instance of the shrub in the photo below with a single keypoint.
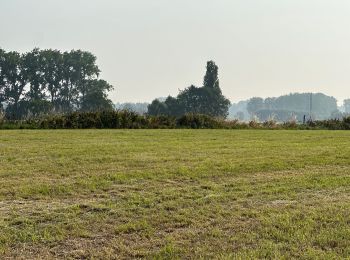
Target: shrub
[
  {"x": 254, "y": 124},
  {"x": 197, "y": 121},
  {"x": 270, "y": 124},
  {"x": 162, "y": 122},
  {"x": 124, "y": 119},
  {"x": 290, "y": 125},
  {"x": 346, "y": 123}
]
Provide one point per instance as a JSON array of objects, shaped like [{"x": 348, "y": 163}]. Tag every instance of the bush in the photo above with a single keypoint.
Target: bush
[
  {"x": 270, "y": 124},
  {"x": 197, "y": 121},
  {"x": 157, "y": 122},
  {"x": 254, "y": 124},
  {"x": 290, "y": 125},
  {"x": 346, "y": 123},
  {"x": 124, "y": 119}
]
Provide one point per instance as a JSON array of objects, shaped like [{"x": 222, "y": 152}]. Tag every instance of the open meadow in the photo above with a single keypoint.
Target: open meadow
[{"x": 174, "y": 194}]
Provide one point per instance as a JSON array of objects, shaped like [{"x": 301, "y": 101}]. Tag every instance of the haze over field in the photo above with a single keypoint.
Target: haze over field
[{"x": 148, "y": 49}]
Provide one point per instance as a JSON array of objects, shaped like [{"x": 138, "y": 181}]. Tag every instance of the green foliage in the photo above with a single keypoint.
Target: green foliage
[
  {"x": 158, "y": 108},
  {"x": 40, "y": 82},
  {"x": 331, "y": 124},
  {"x": 95, "y": 96},
  {"x": 197, "y": 121},
  {"x": 211, "y": 78},
  {"x": 126, "y": 119},
  {"x": 207, "y": 100}
]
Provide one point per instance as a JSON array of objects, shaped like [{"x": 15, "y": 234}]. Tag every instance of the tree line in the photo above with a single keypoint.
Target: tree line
[
  {"x": 125, "y": 119},
  {"x": 41, "y": 82},
  {"x": 50, "y": 81},
  {"x": 283, "y": 108}
]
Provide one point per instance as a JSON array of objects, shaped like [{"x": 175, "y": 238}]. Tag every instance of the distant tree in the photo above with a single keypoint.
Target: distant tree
[
  {"x": 235, "y": 108},
  {"x": 15, "y": 76},
  {"x": 158, "y": 108},
  {"x": 52, "y": 68},
  {"x": 322, "y": 106},
  {"x": 215, "y": 103},
  {"x": 347, "y": 105},
  {"x": 254, "y": 105},
  {"x": 2, "y": 78},
  {"x": 206, "y": 100},
  {"x": 68, "y": 93},
  {"x": 46, "y": 81},
  {"x": 239, "y": 115},
  {"x": 84, "y": 69},
  {"x": 193, "y": 100},
  {"x": 140, "y": 108},
  {"x": 269, "y": 103},
  {"x": 78, "y": 68},
  {"x": 174, "y": 106},
  {"x": 95, "y": 98},
  {"x": 33, "y": 68},
  {"x": 211, "y": 79},
  {"x": 337, "y": 115},
  {"x": 35, "y": 102}
]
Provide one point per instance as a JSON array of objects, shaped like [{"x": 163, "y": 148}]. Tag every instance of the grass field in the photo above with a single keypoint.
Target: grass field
[{"x": 174, "y": 194}]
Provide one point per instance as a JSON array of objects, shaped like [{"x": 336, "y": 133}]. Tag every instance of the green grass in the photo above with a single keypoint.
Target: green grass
[{"x": 174, "y": 194}]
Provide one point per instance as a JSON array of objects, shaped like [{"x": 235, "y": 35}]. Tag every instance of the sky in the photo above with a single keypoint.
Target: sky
[{"x": 154, "y": 48}]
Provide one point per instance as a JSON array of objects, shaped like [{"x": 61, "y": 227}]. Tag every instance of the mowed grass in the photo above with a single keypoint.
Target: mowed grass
[{"x": 174, "y": 194}]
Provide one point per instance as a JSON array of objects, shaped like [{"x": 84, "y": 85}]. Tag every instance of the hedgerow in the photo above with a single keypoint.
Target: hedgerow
[{"x": 124, "y": 119}]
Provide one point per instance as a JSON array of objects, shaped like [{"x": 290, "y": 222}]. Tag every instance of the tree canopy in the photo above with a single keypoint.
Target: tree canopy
[
  {"x": 50, "y": 81},
  {"x": 297, "y": 104},
  {"x": 207, "y": 100}
]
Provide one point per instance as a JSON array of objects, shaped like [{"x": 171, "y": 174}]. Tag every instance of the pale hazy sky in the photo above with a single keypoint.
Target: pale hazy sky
[{"x": 153, "y": 48}]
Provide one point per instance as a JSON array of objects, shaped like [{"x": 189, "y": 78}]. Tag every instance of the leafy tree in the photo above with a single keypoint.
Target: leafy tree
[
  {"x": 211, "y": 79},
  {"x": 35, "y": 102},
  {"x": 206, "y": 100},
  {"x": 2, "y": 78},
  {"x": 192, "y": 99},
  {"x": 158, "y": 108},
  {"x": 46, "y": 81},
  {"x": 254, "y": 105},
  {"x": 15, "y": 79},
  {"x": 322, "y": 106},
  {"x": 214, "y": 103},
  {"x": 95, "y": 98},
  {"x": 33, "y": 62},
  {"x": 174, "y": 106},
  {"x": 52, "y": 68},
  {"x": 78, "y": 69},
  {"x": 84, "y": 69},
  {"x": 69, "y": 93}
]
